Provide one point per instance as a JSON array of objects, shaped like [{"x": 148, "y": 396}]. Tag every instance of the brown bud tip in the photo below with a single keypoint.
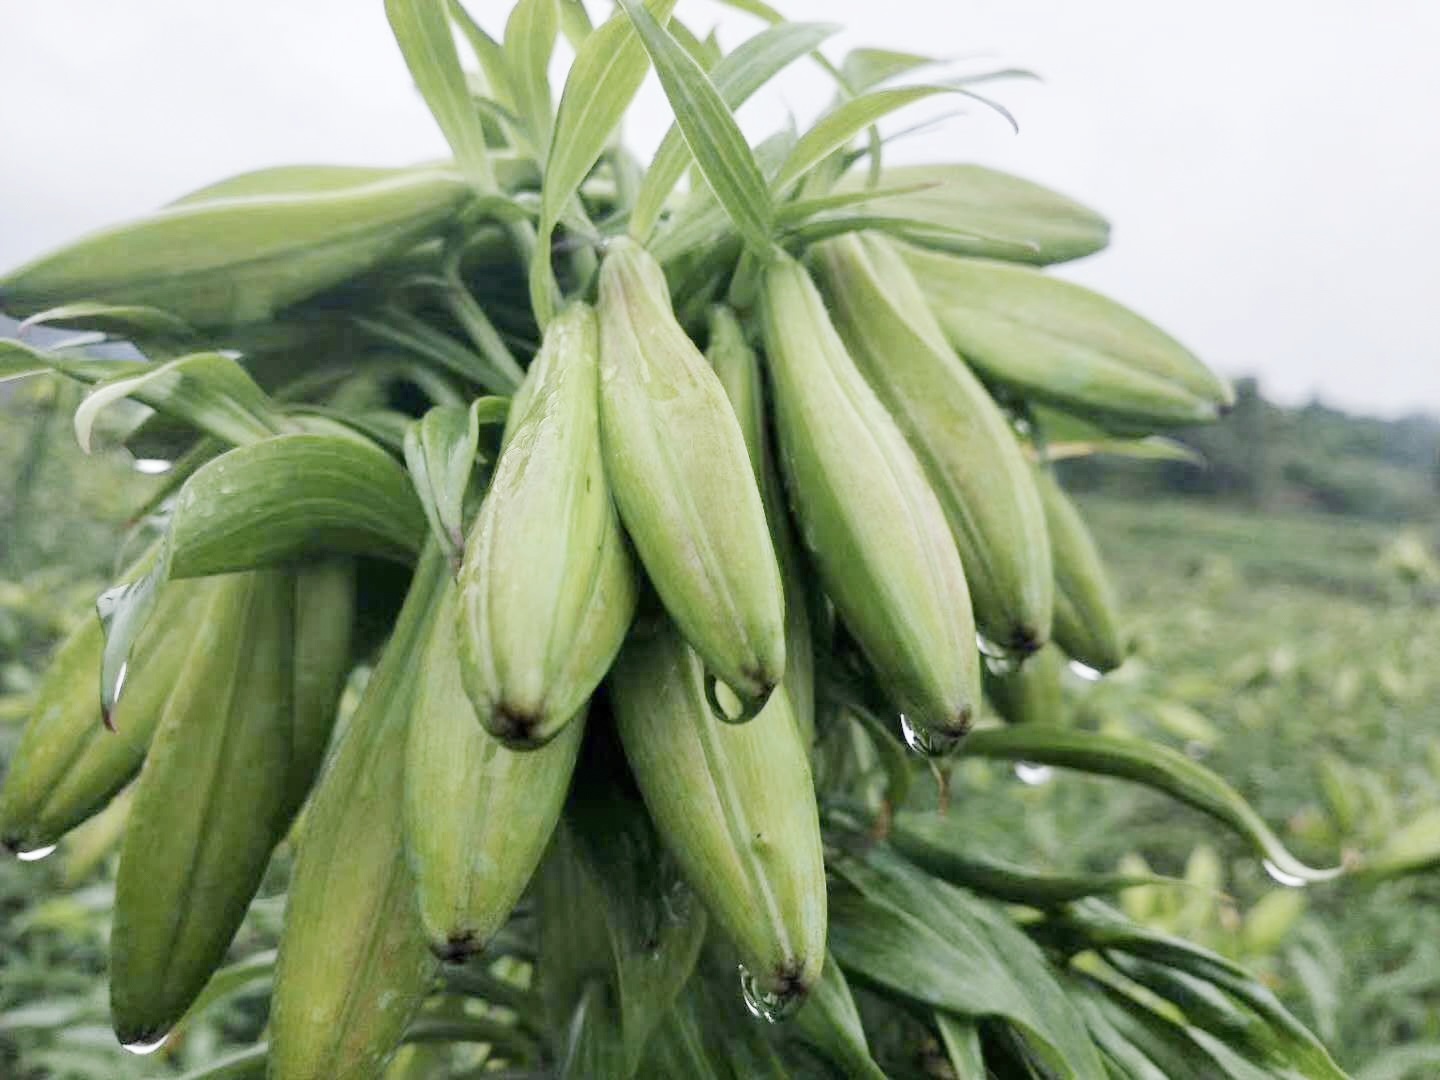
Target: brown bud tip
[
  {"x": 517, "y": 728},
  {"x": 1024, "y": 642},
  {"x": 457, "y": 948}
]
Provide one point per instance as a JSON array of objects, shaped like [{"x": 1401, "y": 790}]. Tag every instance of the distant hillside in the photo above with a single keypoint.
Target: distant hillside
[{"x": 1315, "y": 457}]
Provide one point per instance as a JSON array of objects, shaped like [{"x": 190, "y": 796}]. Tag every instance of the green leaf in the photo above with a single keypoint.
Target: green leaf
[
  {"x": 944, "y": 845},
  {"x": 575, "y": 21},
  {"x": 287, "y": 180},
  {"x": 1091, "y": 924},
  {"x": 1207, "y": 1007},
  {"x": 830, "y": 1022},
  {"x": 592, "y": 1046},
  {"x": 933, "y": 943},
  {"x": 836, "y": 128},
  {"x": 795, "y": 213},
  {"x": 233, "y": 979},
  {"x": 649, "y": 923},
  {"x": 863, "y": 68},
  {"x": 422, "y": 30},
  {"x": 1413, "y": 848},
  {"x": 114, "y": 320},
  {"x": 714, "y": 138},
  {"x": 529, "y": 43},
  {"x": 209, "y": 391},
  {"x": 758, "y": 8},
  {"x": 1131, "y": 1033},
  {"x": 17, "y": 360},
  {"x": 441, "y": 451},
  {"x": 609, "y": 67},
  {"x": 1147, "y": 763},
  {"x": 736, "y": 77},
  {"x": 1150, "y": 448},
  {"x": 992, "y": 214},
  {"x": 491, "y": 54},
  {"x": 290, "y": 497},
  {"x": 436, "y": 347},
  {"x": 961, "y": 1038}
]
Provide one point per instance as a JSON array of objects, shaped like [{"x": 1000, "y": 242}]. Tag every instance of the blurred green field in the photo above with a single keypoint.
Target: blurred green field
[{"x": 1296, "y": 653}]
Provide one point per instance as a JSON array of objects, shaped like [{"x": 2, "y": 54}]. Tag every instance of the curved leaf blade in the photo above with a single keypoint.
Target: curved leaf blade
[
  {"x": 289, "y": 497},
  {"x": 1150, "y": 764},
  {"x": 836, "y": 128}
]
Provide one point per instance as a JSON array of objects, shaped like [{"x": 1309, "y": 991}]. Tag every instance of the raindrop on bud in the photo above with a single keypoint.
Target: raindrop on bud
[
  {"x": 142, "y": 1047},
  {"x": 763, "y": 1005},
  {"x": 927, "y": 743}
]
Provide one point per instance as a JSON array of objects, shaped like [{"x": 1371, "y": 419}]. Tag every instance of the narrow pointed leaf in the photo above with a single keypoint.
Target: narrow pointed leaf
[
  {"x": 529, "y": 43},
  {"x": 114, "y": 320},
  {"x": 1150, "y": 448},
  {"x": 714, "y": 138},
  {"x": 1147, "y": 763},
  {"x": 836, "y": 128},
  {"x": 491, "y": 54},
  {"x": 1247, "y": 1032},
  {"x": 737, "y": 76},
  {"x": 234, "y": 978},
  {"x": 207, "y": 390},
  {"x": 945, "y": 846},
  {"x": 290, "y": 497},
  {"x": 609, "y": 67},
  {"x": 794, "y": 213},
  {"x": 18, "y": 360},
  {"x": 864, "y": 68},
  {"x": 422, "y": 29},
  {"x": 1093, "y": 924}
]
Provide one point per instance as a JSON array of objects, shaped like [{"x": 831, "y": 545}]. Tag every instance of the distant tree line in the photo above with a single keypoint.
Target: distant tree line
[{"x": 1314, "y": 457}]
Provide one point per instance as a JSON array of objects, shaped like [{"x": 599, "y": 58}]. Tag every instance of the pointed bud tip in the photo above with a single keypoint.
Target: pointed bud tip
[{"x": 458, "y": 948}]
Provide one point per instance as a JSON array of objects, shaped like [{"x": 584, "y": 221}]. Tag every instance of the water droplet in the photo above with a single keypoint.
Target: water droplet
[
  {"x": 999, "y": 660},
  {"x": 123, "y": 612},
  {"x": 763, "y": 1005},
  {"x": 141, "y": 1047},
  {"x": 1282, "y": 877},
  {"x": 35, "y": 854},
  {"x": 927, "y": 743},
  {"x": 1036, "y": 775},
  {"x": 1001, "y": 665},
  {"x": 1085, "y": 671},
  {"x": 726, "y": 704},
  {"x": 152, "y": 466}
]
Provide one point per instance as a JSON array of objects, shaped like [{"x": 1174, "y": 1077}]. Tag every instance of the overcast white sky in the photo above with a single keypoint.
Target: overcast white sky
[{"x": 1272, "y": 167}]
